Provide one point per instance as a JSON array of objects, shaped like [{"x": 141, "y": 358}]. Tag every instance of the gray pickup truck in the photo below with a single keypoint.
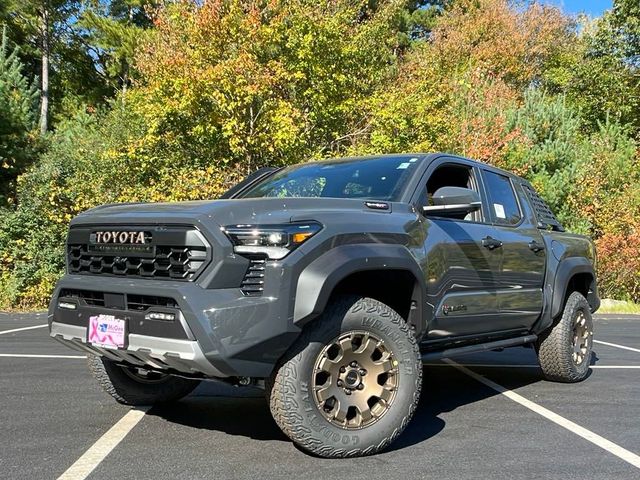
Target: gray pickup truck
[{"x": 329, "y": 284}]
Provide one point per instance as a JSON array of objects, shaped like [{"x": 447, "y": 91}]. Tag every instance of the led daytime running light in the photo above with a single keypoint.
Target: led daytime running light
[{"x": 274, "y": 241}]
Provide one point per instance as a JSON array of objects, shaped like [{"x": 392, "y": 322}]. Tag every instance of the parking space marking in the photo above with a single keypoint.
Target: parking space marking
[
  {"x": 498, "y": 365},
  {"x": 29, "y": 355},
  {"x": 588, "y": 435},
  {"x": 22, "y": 329},
  {"x": 617, "y": 346},
  {"x": 105, "y": 444},
  {"x": 483, "y": 365},
  {"x": 624, "y": 367}
]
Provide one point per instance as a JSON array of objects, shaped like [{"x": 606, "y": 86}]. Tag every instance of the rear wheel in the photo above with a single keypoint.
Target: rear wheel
[
  {"x": 564, "y": 351},
  {"x": 138, "y": 386},
  {"x": 351, "y": 383}
]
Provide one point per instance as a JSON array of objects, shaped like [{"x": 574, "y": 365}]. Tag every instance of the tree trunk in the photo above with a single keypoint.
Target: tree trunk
[
  {"x": 44, "y": 91},
  {"x": 125, "y": 63}
]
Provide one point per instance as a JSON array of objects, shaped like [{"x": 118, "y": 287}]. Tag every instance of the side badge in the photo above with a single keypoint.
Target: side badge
[{"x": 447, "y": 309}]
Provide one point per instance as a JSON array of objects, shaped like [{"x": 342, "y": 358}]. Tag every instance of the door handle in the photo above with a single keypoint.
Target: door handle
[
  {"x": 491, "y": 243},
  {"x": 535, "y": 246}
]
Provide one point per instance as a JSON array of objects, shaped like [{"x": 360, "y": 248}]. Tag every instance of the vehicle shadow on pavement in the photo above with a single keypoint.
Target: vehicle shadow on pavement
[
  {"x": 233, "y": 410},
  {"x": 446, "y": 389},
  {"x": 244, "y": 411}
]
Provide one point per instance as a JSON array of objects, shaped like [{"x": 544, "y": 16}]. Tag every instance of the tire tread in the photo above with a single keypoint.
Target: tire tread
[
  {"x": 552, "y": 347},
  {"x": 126, "y": 391},
  {"x": 283, "y": 384}
]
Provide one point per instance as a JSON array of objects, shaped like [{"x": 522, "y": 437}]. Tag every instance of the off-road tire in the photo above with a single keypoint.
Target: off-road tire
[
  {"x": 291, "y": 400},
  {"x": 555, "y": 346},
  {"x": 128, "y": 391}
]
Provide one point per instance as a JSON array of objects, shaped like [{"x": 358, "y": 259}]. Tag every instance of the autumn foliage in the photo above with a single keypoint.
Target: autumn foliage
[{"x": 227, "y": 86}]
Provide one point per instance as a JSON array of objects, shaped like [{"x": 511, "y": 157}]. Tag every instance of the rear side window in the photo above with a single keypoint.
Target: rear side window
[{"x": 502, "y": 199}]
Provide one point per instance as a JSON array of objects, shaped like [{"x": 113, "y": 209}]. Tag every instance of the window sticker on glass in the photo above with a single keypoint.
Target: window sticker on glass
[
  {"x": 403, "y": 165},
  {"x": 499, "y": 209}
]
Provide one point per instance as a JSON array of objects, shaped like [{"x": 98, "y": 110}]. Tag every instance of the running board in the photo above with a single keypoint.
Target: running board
[{"x": 480, "y": 347}]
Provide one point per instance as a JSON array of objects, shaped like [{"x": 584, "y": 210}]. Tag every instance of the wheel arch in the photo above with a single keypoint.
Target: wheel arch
[
  {"x": 574, "y": 274},
  {"x": 388, "y": 273}
]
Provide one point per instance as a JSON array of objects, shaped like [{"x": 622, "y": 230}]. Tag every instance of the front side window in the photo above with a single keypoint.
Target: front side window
[
  {"x": 382, "y": 178},
  {"x": 502, "y": 199},
  {"x": 451, "y": 175}
]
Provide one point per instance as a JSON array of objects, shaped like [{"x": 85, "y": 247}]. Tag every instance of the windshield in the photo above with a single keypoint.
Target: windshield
[{"x": 380, "y": 178}]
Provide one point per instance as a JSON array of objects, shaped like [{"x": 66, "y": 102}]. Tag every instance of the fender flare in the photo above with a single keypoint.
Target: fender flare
[
  {"x": 566, "y": 269},
  {"x": 318, "y": 280}
]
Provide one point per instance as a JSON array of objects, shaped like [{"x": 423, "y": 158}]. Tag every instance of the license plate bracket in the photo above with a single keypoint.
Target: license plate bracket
[{"x": 107, "y": 331}]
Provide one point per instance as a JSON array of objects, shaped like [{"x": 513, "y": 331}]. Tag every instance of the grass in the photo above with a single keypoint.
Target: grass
[{"x": 618, "y": 306}]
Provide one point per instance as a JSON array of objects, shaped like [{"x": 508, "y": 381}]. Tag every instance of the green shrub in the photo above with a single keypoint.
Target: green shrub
[{"x": 18, "y": 102}]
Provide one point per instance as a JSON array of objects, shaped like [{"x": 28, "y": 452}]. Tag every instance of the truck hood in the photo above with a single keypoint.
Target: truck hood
[{"x": 224, "y": 212}]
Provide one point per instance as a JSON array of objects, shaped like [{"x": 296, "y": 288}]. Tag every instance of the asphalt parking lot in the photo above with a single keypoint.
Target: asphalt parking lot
[{"x": 492, "y": 418}]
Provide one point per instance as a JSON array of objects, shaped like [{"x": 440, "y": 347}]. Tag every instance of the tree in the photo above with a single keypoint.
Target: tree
[
  {"x": 599, "y": 73},
  {"x": 44, "y": 25},
  {"x": 114, "y": 29},
  {"x": 498, "y": 39},
  {"x": 18, "y": 99},
  {"x": 246, "y": 83},
  {"x": 626, "y": 21}
]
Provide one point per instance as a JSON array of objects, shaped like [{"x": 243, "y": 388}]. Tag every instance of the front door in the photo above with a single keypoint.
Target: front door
[{"x": 462, "y": 262}]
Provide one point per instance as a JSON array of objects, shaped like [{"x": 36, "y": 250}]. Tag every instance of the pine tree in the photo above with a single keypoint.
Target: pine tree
[
  {"x": 115, "y": 28},
  {"x": 18, "y": 103}
]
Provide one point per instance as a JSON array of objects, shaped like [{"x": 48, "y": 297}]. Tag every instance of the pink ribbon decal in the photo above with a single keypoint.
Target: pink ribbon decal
[{"x": 106, "y": 330}]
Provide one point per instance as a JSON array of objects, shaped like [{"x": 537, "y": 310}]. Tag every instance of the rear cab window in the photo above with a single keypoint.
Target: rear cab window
[{"x": 503, "y": 204}]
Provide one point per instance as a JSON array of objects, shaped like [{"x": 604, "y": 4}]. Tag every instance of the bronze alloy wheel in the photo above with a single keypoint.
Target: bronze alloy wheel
[
  {"x": 355, "y": 380},
  {"x": 581, "y": 338}
]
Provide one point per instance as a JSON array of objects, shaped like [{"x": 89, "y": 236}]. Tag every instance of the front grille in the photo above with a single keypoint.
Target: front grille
[
  {"x": 253, "y": 281},
  {"x": 128, "y": 301},
  {"x": 179, "y": 254},
  {"x": 93, "y": 299}
]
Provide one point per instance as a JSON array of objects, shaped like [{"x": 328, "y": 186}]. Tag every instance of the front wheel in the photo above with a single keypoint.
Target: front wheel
[
  {"x": 351, "y": 383},
  {"x": 136, "y": 386},
  {"x": 564, "y": 351}
]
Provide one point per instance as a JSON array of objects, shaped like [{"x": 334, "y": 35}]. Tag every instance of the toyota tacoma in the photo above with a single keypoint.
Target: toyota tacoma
[{"x": 328, "y": 284}]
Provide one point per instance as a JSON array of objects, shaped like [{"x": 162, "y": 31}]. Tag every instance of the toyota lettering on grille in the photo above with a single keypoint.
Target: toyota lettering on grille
[
  {"x": 123, "y": 243},
  {"x": 121, "y": 237}
]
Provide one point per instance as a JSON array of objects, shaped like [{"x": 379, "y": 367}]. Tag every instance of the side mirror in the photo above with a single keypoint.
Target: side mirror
[{"x": 453, "y": 201}]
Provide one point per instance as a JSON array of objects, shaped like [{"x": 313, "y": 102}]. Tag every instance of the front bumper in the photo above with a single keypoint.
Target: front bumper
[
  {"x": 220, "y": 332},
  {"x": 183, "y": 356}
]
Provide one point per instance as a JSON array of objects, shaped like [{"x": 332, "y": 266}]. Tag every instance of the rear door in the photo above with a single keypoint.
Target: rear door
[{"x": 520, "y": 297}]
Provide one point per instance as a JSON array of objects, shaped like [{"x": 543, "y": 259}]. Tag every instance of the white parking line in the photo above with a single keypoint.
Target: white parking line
[
  {"x": 28, "y": 355},
  {"x": 498, "y": 365},
  {"x": 617, "y": 346},
  {"x": 588, "y": 435},
  {"x": 22, "y": 329},
  {"x": 483, "y": 365},
  {"x": 629, "y": 367},
  {"x": 105, "y": 444}
]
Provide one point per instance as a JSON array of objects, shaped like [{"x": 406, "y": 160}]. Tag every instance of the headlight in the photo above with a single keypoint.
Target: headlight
[{"x": 274, "y": 241}]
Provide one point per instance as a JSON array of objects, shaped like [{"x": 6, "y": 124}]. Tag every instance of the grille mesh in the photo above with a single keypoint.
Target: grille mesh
[{"x": 168, "y": 262}]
